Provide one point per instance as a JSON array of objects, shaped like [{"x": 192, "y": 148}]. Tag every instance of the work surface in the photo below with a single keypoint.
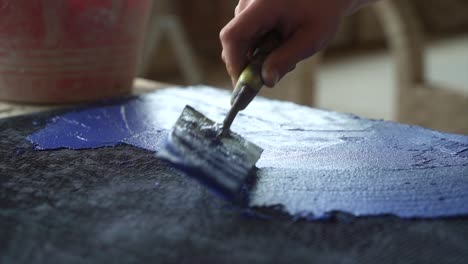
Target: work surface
[{"x": 121, "y": 203}]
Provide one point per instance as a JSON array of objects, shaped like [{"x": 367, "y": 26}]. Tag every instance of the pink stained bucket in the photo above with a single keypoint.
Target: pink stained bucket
[{"x": 62, "y": 51}]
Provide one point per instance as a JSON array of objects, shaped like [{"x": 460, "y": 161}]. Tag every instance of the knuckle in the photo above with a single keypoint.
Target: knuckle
[
  {"x": 223, "y": 57},
  {"x": 226, "y": 34},
  {"x": 223, "y": 34}
]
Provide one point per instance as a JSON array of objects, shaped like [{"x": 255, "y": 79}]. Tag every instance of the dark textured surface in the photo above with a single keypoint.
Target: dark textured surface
[
  {"x": 117, "y": 205},
  {"x": 315, "y": 162},
  {"x": 120, "y": 204}
]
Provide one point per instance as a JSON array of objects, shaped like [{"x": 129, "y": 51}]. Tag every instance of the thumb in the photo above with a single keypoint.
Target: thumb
[{"x": 301, "y": 45}]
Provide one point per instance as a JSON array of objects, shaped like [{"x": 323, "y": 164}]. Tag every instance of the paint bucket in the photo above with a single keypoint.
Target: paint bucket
[{"x": 62, "y": 51}]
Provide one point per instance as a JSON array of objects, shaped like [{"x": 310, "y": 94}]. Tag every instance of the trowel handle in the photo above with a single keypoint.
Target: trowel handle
[{"x": 250, "y": 81}]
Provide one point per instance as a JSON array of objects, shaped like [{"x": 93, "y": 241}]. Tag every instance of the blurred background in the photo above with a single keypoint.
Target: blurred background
[{"x": 401, "y": 60}]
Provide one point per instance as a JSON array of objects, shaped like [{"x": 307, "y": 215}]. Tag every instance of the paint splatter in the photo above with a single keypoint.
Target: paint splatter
[{"x": 315, "y": 162}]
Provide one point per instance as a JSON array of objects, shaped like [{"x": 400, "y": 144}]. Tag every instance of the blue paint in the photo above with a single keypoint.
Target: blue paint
[
  {"x": 315, "y": 162},
  {"x": 125, "y": 122}
]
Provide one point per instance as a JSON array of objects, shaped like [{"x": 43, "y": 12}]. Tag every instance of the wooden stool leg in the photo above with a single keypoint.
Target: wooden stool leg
[
  {"x": 183, "y": 51},
  {"x": 165, "y": 23},
  {"x": 418, "y": 102}
]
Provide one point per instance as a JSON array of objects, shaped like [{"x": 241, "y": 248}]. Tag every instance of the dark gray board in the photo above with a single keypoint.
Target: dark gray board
[{"x": 119, "y": 204}]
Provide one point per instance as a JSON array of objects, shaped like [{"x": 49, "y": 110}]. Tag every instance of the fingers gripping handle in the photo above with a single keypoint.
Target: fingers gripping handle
[{"x": 250, "y": 81}]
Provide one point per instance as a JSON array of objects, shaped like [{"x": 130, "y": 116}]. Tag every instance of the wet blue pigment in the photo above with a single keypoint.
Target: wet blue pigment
[{"x": 314, "y": 162}]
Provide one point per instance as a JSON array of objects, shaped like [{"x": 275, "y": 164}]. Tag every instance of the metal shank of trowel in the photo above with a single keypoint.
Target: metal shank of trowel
[{"x": 250, "y": 81}]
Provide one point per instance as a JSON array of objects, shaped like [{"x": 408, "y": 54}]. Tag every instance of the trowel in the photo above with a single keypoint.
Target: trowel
[{"x": 210, "y": 151}]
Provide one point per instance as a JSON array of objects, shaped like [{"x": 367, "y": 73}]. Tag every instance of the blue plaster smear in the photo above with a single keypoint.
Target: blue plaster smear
[
  {"x": 314, "y": 161},
  {"x": 127, "y": 122}
]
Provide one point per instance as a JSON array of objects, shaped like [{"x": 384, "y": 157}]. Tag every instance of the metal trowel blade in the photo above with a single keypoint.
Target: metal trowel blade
[{"x": 222, "y": 163}]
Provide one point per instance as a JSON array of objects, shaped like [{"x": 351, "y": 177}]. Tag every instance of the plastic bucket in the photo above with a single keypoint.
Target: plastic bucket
[{"x": 61, "y": 51}]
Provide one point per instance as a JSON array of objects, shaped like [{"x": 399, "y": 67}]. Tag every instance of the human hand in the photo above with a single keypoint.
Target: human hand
[{"x": 306, "y": 27}]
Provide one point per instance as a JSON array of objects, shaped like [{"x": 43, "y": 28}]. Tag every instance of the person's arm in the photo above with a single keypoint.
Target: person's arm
[{"x": 306, "y": 26}]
